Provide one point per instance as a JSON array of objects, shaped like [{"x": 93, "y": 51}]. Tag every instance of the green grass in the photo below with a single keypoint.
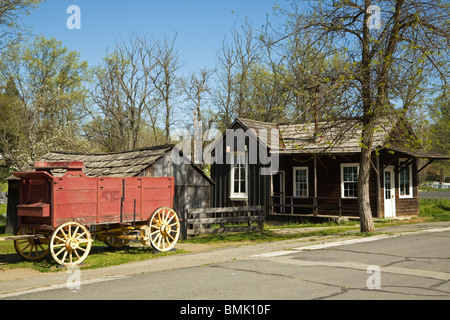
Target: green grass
[
  {"x": 295, "y": 225},
  {"x": 2, "y": 210},
  {"x": 436, "y": 209},
  {"x": 100, "y": 256}
]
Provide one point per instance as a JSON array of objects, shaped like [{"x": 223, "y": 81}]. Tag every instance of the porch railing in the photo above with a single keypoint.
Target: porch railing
[{"x": 315, "y": 204}]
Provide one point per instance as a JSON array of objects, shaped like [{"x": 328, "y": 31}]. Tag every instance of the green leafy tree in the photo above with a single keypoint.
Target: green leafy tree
[
  {"x": 440, "y": 135},
  {"x": 11, "y": 30},
  {"x": 46, "y": 86}
]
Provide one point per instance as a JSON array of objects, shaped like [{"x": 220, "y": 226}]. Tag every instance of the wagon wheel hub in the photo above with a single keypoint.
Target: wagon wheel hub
[
  {"x": 166, "y": 229},
  {"x": 72, "y": 244}
]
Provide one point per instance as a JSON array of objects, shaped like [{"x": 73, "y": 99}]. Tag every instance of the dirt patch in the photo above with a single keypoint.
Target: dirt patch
[
  {"x": 417, "y": 219},
  {"x": 197, "y": 247},
  {"x": 16, "y": 274}
]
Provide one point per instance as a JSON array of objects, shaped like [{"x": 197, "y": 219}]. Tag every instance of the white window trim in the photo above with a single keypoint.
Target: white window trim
[
  {"x": 410, "y": 195},
  {"x": 235, "y": 196},
  {"x": 295, "y": 185},
  {"x": 344, "y": 165}
]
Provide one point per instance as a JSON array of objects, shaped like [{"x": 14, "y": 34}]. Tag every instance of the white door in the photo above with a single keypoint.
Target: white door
[{"x": 389, "y": 192}]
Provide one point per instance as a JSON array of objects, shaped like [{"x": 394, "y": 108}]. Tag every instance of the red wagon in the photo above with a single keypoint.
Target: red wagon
[{"x": 61, "y": 215}]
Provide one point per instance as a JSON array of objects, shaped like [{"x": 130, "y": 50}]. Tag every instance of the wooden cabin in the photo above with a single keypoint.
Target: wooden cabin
[
  {"x": 314, "y": 168},
  {"x": 193, "y": 189}
]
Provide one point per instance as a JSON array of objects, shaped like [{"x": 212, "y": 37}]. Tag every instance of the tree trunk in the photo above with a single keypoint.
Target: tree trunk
[{"x": 365, "y": 212}]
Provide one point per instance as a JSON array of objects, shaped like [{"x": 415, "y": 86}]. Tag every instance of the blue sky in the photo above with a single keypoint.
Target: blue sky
[{"x": 201, "y": 25}]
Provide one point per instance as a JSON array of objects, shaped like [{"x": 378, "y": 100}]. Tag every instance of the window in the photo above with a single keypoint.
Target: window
[
  {"x": 349, "y": 180},
  {"x": 301, "y": 182},
  {"x": 404, "y": 178},
  {"x": 239, "y": 177}
]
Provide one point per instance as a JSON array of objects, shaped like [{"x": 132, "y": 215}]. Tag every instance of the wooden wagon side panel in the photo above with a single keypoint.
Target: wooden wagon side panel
[
  {"x": 156, "y": 192},
  {"x": 75, "y": 198},
  {"x": 109, "y": 197},
  {"x": 132, "y": 208}
]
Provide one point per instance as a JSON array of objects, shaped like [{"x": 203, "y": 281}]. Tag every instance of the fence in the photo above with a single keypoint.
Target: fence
[
  {"x": 438, "y": 185},
  {"x": 219, "y": 220}
]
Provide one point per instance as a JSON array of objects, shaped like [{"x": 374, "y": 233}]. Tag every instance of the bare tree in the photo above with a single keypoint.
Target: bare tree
[
  {"x": 235, "y": 63},
  {"x": 196, "y": 89},
  {"x": 164, "y": 78},
  {"x": 223, "y": 93},
  {"x": 123, "y": 94}
]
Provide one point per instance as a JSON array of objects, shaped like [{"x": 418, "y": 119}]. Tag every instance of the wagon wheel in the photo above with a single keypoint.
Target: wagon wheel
[
  {"x": 70, "y": 243},
  {"x": 31, "y": 249},
  {"x": 164, "y": 229},
  {"x": 114, "y": 242}
]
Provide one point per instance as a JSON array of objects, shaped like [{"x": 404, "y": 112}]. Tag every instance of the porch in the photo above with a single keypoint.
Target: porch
[{"x": 320, "y": 206}]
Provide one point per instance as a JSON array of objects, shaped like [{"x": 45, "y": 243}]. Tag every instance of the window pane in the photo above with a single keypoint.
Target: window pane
[
  {"x": 350, "y": 174},
  {"x": 350, "y": 189},
  {"x": 404, "y": 182},
  {"x": 301, "y": 182},
  {"x": 350, "y": 181},
  {"x": 239, "y": 175},
  {"x": 387, "y": 185},
  {"x": 242, "y": 170}
]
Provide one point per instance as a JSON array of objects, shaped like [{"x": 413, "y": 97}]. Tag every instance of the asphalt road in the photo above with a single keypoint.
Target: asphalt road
[
  {"x": 434, "y": 195},
  {"x": 413, "y": 263}
]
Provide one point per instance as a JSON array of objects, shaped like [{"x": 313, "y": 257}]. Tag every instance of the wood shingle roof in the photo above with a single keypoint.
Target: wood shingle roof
[
  {"x": 119, "y": 164},
  {"x": 341, "y": 136}
]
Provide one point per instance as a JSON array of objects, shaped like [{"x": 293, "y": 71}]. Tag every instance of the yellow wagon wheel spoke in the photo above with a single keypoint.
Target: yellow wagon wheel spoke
[
  {"x": 164, "y": 229},
  {"x": 70, "y": 243},
  {"x": 31, "y": 249}
]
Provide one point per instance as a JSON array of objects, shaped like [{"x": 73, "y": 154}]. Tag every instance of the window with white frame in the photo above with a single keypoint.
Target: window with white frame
[
  {"x": 238, "y": 175},
  {"x": 301, "y": 182},
  {"x": 349, "y": 180},
  {"x": 404, "y": 180}
]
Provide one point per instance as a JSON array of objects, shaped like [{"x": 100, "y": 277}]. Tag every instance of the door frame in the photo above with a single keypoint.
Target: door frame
[
  {"x": 282, "y": 182},
  {"x": 389, "y": 203}
]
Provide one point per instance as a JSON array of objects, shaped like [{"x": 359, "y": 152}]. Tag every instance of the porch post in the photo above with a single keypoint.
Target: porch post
[
  {"x": 271, "y": 202},
  {"x": 377, "y": 164},
  {"x": 315, "y": 186}
]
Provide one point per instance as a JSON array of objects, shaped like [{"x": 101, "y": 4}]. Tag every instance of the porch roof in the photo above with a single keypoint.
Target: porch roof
[{"x": 419, "y": 153}]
